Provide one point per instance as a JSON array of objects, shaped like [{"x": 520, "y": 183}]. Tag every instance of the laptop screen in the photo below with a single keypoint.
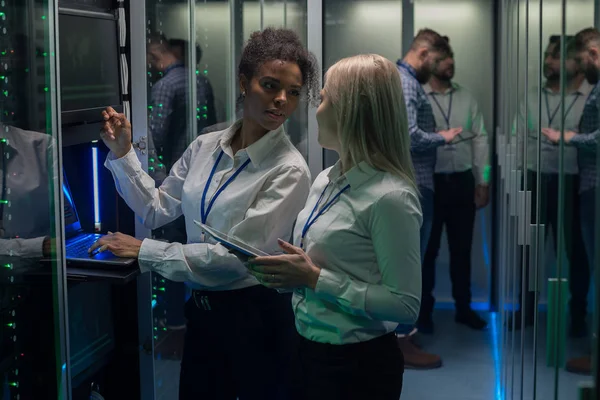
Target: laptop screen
[{"x": 72, "y": 224}]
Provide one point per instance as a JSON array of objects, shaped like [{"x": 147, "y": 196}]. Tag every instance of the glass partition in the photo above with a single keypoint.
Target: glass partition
[
  {"x": 545, "y": 268},
  {"x": 33, "y": 351}
]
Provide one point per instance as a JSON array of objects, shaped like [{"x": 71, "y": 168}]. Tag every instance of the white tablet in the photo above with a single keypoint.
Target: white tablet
[{"x": 231, "y": 243}]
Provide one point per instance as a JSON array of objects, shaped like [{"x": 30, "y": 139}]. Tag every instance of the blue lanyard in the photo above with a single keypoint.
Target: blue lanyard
[
  {"x": 446, "y": 117},
  {"x": 551, "y": 116},
  {"x": 204, "y": 213},
  {"x": 408, "y": 69},
  {"x": 310, "y": 221}
]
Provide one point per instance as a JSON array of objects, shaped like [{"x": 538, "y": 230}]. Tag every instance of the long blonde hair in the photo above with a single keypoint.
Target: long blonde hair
[{"x": 366, "y": 94}]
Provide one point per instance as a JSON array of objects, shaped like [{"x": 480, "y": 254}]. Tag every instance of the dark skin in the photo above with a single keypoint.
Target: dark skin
[{"x": 270, "y": 97}]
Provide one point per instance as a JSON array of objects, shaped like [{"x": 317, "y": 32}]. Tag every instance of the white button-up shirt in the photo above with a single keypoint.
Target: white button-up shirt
[
  {"x": 367, "y": 246},
  {"x": 30, "y": 175},
  {"x": 258, "y": 207},
  {"x": 470, "y": 150}
]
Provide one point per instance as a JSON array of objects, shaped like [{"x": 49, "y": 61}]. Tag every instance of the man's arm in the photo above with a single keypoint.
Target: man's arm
[{"x": 420, "y": 141}]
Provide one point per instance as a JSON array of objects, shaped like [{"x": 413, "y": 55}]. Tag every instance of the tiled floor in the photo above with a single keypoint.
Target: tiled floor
[{"x": 472, "y": 367}]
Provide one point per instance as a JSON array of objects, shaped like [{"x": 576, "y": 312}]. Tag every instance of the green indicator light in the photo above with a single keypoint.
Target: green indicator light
[
  {"x": 197, "y": 117},
  {"x": 164, "y": 329},
  {"x": 3, "y": 140},
  {"x": 2, "y": 14},
  {"x": 43, "y": 17},
  {"x": 205, "y": 71},
  {"x": 153, "y": 287},
  {"x": 197, "y": 109},
  {"x": 197, "y": 72},
  {"x": 205, "y": 108},
  {"x": 161, "y": 165},
  {"x": 160, "y": 158},
  {"x": 14, "y": 384},
  {"x": 8, "y": 266},
  {"x": 5, "y": 93},
  {"x": 155, "y": 337},
  {"x": 151, "y": 168},
  {"x": 26, "y": 69},
  {"x": 45, "y": 54},
  {"x": 160, "y": 105},
  {"x": 150, "y": 107},
  {"x": 3, "y": 201},
  {"x": 155, "y": 328},
  {"x": 162, "y": 289},
  {"x": 4, "y": 53},
  {"x": 10, "y": 325},
  {"x": 487, "y": 172},
  {"x": 45, "y": 89},
  {"x": 153, "y": 296},
  {"x": 152, "y": 160},
  {"x": 162, "y": 281}
]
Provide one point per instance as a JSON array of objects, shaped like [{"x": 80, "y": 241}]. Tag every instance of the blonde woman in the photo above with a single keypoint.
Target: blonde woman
[{"x": 355, "y": 262}]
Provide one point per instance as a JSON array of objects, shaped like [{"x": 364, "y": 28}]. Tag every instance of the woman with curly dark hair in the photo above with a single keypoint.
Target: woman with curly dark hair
[{"x": 247, "y": 181}]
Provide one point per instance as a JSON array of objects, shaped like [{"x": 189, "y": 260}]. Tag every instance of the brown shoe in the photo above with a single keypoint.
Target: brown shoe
[
  {"x": 581, "y": 365},
  {"x": 415, "y": 358}
]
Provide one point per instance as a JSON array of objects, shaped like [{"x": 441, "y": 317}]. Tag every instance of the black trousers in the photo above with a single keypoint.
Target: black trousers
[
  {"x": 454, "y": 207},
  {"x": 238, "y": 345},
  {"x": 579, "y": 272},
  {"x": 366, "y": 370}
]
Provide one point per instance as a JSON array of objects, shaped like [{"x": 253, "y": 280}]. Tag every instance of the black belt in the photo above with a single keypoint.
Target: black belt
[
  {"x": 384, "y": 342},
  {"x": 225, "y": 299}
]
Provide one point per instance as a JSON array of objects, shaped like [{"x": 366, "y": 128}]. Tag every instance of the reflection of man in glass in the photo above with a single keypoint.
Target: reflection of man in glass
[
  {"x": 577, "y": 90},
  {"x": 168, "y": 105},
  {"x": 205, "y": 99},
  {"x": 461, "y": 187},
  {"x": 586, "y": 47}
]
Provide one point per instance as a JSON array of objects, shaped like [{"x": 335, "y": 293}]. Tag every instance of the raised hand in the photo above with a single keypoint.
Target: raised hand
[{"x": 116, "y": 132}]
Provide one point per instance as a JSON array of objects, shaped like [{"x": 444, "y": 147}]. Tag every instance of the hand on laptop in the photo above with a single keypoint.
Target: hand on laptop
[
  {"x": 116, "y": 132},
  {"x": 119, "y": 244}
]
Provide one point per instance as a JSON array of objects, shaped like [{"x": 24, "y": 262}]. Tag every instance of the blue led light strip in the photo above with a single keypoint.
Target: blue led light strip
[{"x": 97, "y": 223}]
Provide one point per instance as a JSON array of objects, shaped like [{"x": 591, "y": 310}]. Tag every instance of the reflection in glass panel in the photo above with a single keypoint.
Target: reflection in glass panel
[
  {"x": 546, "y": 268},
  {"x": 31, "y": 279},
  {"x": 173, "y": 122}
]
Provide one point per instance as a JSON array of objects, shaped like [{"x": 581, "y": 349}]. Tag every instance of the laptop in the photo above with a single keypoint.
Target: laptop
[{"x": 78, "y": 242}]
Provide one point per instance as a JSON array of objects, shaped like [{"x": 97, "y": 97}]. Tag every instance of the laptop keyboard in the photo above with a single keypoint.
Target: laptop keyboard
[{"x": 78, "y": 248}]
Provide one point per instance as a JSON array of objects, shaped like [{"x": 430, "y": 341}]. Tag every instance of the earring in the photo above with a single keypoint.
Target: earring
[{"x": 244, "y": 93}]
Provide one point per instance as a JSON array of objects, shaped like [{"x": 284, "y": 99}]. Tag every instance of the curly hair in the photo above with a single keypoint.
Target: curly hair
[{"x": 285, "y": 45}]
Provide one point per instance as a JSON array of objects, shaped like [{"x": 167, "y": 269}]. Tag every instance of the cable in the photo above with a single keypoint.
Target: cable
[{"x": 122, "y": 18}]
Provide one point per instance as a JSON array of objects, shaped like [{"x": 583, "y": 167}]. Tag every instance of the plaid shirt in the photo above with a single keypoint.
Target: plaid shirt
[
  {"x": 168, "y": 116},
  {"x": 587, "y": 141},
  {"x": 424, "y": 141}
]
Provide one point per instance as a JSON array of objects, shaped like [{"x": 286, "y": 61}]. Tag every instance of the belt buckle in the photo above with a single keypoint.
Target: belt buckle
[{"x": 202, "y": 302}]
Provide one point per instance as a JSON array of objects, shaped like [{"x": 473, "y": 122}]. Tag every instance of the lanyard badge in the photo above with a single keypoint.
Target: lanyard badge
[
  {"x": 204, "y": 211},
  {"x": 312, "y": 218}
]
